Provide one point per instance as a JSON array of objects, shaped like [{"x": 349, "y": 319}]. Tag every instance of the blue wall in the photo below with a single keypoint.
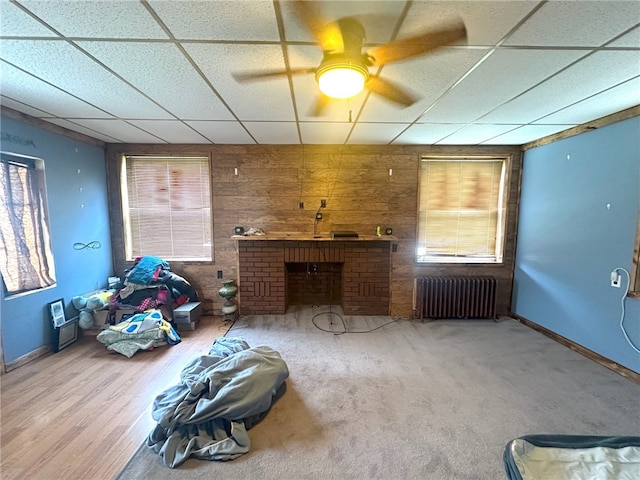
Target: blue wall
[
  {"x": 569, "y": 240},
  {"x": 78, "y": 212}
]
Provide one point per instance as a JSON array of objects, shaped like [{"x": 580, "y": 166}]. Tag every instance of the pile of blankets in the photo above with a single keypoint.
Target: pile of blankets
[
  {"x": 220, "y": 396},
  {"x": 150, "y": 284},
  {"x": 142, "y": 331}
]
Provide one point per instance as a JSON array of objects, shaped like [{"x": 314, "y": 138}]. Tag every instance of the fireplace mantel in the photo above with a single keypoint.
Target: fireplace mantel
[
  {"x": 302, "y": 237},
  {"x": 263, "y": 277}
]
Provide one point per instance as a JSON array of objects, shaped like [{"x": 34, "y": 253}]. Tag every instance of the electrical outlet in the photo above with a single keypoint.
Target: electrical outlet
[
  {"x": 323, "y": 203},
  {"x": 301, "y": 205},
  {"x": 219, "y": 273},
  {"x": 318, "y": 216},
  {"x": 615, "y": 279}
]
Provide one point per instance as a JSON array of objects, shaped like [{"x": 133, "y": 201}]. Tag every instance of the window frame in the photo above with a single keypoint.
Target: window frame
[
  {"x": 502, "y": 212},
  {"x": 42, "y": 246},
  {"x": 128, "y": 254}
]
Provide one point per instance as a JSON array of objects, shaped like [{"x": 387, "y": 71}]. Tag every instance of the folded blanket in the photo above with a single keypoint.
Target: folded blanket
[{"x": 204, "y": 415}]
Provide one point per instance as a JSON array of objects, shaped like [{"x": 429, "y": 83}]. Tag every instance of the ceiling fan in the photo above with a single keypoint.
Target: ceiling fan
[{"x": 344, "y": 70}]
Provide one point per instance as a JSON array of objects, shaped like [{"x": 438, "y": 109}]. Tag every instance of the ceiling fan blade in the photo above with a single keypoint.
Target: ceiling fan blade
[
  {"x": 320, "y": 106},
  {"x": 260, "y": 75},
  {"x": 418, "y": 44},
  {"x": 327, "y": 34},
  {"x": 390, "y": 91}
]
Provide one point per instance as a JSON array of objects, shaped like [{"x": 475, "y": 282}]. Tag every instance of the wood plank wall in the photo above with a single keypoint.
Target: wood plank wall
[{"x": 360, "y": 195}]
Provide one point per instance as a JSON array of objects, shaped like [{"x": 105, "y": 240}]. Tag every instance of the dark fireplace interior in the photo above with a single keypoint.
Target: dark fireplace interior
[{"x": 314, "y": 283}]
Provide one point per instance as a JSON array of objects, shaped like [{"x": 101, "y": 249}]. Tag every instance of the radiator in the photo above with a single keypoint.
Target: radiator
[{"x": 454, "y": 297}]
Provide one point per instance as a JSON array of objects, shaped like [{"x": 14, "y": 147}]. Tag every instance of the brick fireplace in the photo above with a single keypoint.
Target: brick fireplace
[{"x": 275, "y": 273}]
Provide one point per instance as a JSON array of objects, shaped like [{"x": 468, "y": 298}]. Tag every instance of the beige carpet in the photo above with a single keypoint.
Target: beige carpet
[{"x": 434, "y": 400}]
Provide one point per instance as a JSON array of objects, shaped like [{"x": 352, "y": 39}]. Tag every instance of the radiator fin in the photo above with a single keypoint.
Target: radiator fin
[{"x": 455, "y": 297}]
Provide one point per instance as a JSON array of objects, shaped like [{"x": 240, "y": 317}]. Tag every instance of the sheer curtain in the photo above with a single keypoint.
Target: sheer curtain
[{"x": 26, "y": 259}]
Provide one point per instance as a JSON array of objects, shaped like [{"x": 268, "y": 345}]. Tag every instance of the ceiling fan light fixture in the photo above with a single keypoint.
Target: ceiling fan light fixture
[{"x": 341, "y": 80}]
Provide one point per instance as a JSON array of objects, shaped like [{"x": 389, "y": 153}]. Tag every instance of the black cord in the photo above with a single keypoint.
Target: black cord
[{"x": 344, "y": 326}]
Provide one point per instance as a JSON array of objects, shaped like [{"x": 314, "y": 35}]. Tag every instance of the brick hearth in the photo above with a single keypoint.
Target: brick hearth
[{"x": 264, "y": 276}]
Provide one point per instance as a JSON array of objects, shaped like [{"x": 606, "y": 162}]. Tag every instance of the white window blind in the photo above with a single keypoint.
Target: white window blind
[
  {"x": 167, "y": 207},
  {"x": 461, "y": 209}
]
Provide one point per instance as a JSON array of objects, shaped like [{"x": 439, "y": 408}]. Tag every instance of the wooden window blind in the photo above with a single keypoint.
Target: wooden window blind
[
  {"x": 167, "y": 207},
  {"x": 461, "y": 209}
]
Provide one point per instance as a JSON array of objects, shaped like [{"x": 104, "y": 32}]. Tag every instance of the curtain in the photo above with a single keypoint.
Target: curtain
[{"x": 26, "y": 259}]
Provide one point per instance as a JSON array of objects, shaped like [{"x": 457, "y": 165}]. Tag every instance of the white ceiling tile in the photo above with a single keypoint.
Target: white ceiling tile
[
  {"x": 317, "y": 133},
  {"x": 426, "y": 133},
  {"x": 610, "y": 101},
  {"x": 377, "y": 17},
  {"x": 475, "y": 134},
  {"x": 95, "y": 18},
  {"x": 273, "y": 132},
  {"x": 163, "y": 73},
  {"x": 427, "y": 76},
  {"x": 477, "y": 16},
  {"x": 588, "y": 77},
  {"x": 222, "y": 132},
  {"x": 171, "y": 131},
  {"x": 526, "y": 134},
  {"x": 265, "y": 99},
  {"x": 15, "y": 83},
  {"x": 21, "y": 107},
  {"x": 576, "y": 23},
  {"x": 74, "y": 126},
  {"x": 89, "y": 81},
  {"x": 376, "y": 133},
  {"x": 119, "y": 129},
  {"x": 219, "y": 20},
  {"x": 631, "y": 39},
  {"x": 14, "y": 22},
  {"x": 499, "y": 78}
]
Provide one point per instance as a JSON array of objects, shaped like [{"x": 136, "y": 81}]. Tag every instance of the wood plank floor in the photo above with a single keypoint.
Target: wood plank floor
[{"x": 82, "y": 412}]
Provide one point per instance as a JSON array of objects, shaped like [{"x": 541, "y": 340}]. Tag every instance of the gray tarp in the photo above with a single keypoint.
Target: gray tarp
[{"x": 204, "y": 415}]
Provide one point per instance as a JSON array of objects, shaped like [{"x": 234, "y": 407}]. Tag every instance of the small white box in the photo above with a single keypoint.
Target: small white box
[{"x": 187, "y": 313}]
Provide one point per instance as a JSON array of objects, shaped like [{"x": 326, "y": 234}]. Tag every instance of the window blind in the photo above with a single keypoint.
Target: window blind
[
  {"x": 167, "y": 207},
  {"x": 461, "y": 208}
]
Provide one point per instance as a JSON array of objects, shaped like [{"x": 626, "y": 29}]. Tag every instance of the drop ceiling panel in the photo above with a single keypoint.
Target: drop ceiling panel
[
  {"x": 21, "y": 107},
  {"x": 15, "y": 83},
  {"x": 613, "y": 100},
  {"x": 376, "y": 133},
  {"x": 580, "y": 81},
  {"x": 501, "y": 16},
  {"x": 97, "y": 19},
  {"x": 571, "y": 23},
  {"x": 502, "y": 76},
  {"x": 475, "y": 134},
  {"x": 123, "y": 131},
  {"x": 162, "y": 73},
  {"x": 270, "y": 95},
  {"x": 273, "y": 132},
  {"x": 229, "y": 20},
  {"x": 71, "y": 125},
  {"x": 325, "y": 133},
  {"x": 222, "y": 132},
  {"x": 629, "y": 40},
  {"x": 429, "y": 76},
  {"x": 171, "y": 131},
  {"x": 377, "y": 17},
  {"x": 426, "y": 133},
  {"x": 72, "y": 71},
  {"x": 526, "y": 134},
  {"x": 15, "y": 22}
]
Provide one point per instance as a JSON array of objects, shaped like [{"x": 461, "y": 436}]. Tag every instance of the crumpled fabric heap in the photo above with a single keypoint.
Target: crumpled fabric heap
[{"x": 220, "y": 396}]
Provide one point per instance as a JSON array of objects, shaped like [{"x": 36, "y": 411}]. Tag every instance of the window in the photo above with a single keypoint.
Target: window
[
  {"x": 166, "y": 205},
  {"x": 461, "y": 209},
  {"x": 26, "y": 259}
]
